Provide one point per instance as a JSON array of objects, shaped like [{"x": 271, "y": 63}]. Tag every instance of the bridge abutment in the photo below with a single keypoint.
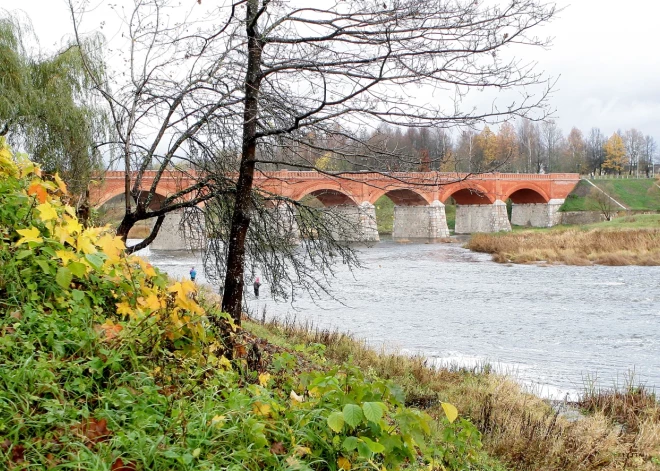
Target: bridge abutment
[
  {"x": 537, "y": 215},
  {"x": 420, "y": 223},
  {"x": 472, "y": 218}
]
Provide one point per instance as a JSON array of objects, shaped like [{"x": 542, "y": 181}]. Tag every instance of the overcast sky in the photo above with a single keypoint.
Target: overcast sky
[{"x": 604, "y": 53}]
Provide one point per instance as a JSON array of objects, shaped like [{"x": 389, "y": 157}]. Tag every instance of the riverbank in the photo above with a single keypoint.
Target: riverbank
[
  {"x": 630, "y": 240},
  {"x": 606, "y": 430},
  {"x": 109, "y": 364}
]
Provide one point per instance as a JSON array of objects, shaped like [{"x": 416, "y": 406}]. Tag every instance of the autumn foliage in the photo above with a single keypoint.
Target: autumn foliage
[{"x": 108, "y": 364}]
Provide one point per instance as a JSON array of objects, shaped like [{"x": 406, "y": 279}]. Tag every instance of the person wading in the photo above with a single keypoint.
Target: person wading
[{"x": 256, "y": 285}]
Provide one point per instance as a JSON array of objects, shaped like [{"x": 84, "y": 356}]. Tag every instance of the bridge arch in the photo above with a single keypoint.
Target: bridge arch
[
  {"x": 402, "y": 197},
  {"x": 118, "y": 197},
  {"x": 328, "y": 195},
  {"x": 467, "y": 193},
  {"x": 526, "y": 193}
]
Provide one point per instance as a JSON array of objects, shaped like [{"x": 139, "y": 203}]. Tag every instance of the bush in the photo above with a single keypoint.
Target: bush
[{"x": 108, "y": 364}]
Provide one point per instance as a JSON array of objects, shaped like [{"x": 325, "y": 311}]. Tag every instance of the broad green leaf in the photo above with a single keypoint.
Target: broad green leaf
[
  {"x": 352, "y": 414},
  {"x": 23, "y": 253},
  {"x": 94, "y": 260},
  {"x": 64, "y": 277},
  {"x": 450, "y": 411},
  {"x": 77, "y": 268},
  {"x": 363, "y": 450},
  {"x": 373, "y": 411},
  {"x": 45, "y": 266},
  {"x": 336, "y": 421},
  {"x": 350, "y": 443},
  {"x": 375, "y": 447}
]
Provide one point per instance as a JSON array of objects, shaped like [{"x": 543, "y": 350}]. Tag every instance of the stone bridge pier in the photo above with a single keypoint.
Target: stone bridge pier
[
  {"x": 350, "y": 223},
  {"x": 482, "y": 218},
  {"x": 420, "y": 223},
  {"x": 537, "y": 214}
]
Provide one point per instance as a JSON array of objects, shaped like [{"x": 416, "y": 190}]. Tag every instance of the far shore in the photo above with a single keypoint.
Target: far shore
[{"x": 629, "y": 240}]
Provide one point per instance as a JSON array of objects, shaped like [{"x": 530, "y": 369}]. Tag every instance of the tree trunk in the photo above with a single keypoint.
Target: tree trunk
[{"x": 233, "y": 295}]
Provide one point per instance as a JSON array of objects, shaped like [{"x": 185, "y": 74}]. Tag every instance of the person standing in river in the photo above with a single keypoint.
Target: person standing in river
[
  {"x": 193, "y": 274},
  {"x": 256, "y": 285}
]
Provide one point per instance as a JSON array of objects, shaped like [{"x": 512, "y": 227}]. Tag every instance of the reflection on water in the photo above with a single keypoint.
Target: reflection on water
[{"x": 550, "y": 326}]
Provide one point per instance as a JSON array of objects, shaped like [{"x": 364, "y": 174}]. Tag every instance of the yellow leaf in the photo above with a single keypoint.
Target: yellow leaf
[
  {"x": 124, "y": 309},
  {"x": 60, "y": 184},
  {"x": 450, "y": 411},
  {"x": 343, "y": 463},
  {"x": 63, "y": 235},
  {"x": 224, "y": 362},
  {"x": 263, "y": 379},
  {"x": 112, "y": 246},
  {"x": 218, "y": 420},
  {"x": 260, "y": 408},
  {"x": 73, "y": 225},
  {"x": 29, "y": 235},
  {"x": 84, "y": 243},
  {"x": 46, "y": 212},
  {"x": 66, "y": 256},
  {"x": 151, "y": 302}
]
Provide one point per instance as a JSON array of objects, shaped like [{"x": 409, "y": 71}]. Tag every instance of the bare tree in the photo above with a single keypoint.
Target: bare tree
[
  {"x": 649, "y": 153},
  {"x": 595, "y": 152},
  {"x": 254, "y": 82},
  {"x": 634, "y": 142}
]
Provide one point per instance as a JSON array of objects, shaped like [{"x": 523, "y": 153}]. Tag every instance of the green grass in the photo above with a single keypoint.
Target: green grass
[{"x": 635, "y": 194}]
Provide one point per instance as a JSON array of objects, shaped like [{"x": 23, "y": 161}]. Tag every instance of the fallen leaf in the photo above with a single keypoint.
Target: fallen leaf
[
  {"x": 277, "y": 448},
  {"x": 119, "y": 465}
]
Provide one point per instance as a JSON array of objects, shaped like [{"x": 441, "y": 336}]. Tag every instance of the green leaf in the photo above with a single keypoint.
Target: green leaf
[
  {"x": 77, "y": 268},
  {"x": 450, "y": 411},
  {"x": 94, "y": 260},
  {"x": 45, "y": 266},
  {"x": 363, "y": 450},
  {"x": 350, "y": 443},
  {"x": 336, "y": 421},
  {"x": 373, "y": 411},
  {"x": 352, "y": 414},
  {"x": 23, "y": 253},
  {"x": 64, "y": 277},
  {"x": 375, "y": 447}
]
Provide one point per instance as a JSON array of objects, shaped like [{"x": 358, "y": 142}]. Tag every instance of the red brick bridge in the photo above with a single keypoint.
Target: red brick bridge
[{"x": 418, "y": 197}]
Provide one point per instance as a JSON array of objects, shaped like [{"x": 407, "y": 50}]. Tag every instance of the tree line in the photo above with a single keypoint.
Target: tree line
[{"x": 524, "y": 146}]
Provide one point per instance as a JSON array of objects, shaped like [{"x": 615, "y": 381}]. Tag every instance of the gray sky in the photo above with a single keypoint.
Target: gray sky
[{"x": 604, "y": 53}]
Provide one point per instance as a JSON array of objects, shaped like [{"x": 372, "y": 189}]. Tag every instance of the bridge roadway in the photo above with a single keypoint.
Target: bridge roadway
[{"x": 419, "y": 197}]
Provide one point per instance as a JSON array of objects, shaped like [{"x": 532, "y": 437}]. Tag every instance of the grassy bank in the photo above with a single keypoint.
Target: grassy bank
[
  {"x": 109, "y": 365},
  {"x": 634, "y": 194},
  {"x": 621, "y": 429},
  {"x": 631, "y": 240}
]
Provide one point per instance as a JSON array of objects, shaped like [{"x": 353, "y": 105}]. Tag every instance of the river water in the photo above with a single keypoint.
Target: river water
[{"x": 554, "y": 328}]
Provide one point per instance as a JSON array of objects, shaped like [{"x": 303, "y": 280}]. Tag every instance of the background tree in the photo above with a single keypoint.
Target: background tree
[
  {"x": 633, "y": 141},
  {"x": 576, "y": 149},
  {"x": 507, "y": 146},
  {"x": 595, "y": 150},
  {"x": 529, "y": 140},
  {"x": 46, "y": 107},
  {"x": 615, "y": 154},
  {"x": 649, "y": 153}
]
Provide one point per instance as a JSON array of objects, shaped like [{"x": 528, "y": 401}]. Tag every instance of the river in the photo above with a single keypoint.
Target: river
[{"x": 553, "y": 328}]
